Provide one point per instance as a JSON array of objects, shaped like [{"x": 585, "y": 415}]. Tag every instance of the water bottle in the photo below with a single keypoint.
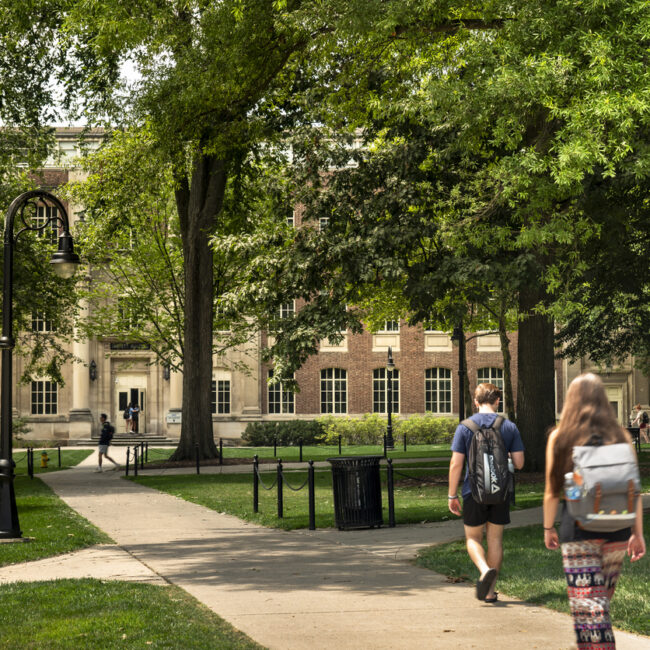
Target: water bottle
[
  {"x": 511, "y": 466},
  {"x": 571, "y": 490}
]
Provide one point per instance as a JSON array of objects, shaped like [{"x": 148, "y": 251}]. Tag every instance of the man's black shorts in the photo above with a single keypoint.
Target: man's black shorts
[{"x": 475, "y": 514}]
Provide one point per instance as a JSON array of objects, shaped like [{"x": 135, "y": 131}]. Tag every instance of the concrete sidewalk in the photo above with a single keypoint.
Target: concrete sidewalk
[{"x": 301, "y": 589}]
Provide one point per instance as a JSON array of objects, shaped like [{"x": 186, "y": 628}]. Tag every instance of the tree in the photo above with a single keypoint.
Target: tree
[{"x": 213, "y": 79}]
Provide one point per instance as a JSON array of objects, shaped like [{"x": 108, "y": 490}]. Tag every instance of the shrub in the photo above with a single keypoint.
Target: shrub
[
  {"x": 262, "y": 434},
  {"x": 427, "y": 429},
  {"x": 369, "y": 430}
]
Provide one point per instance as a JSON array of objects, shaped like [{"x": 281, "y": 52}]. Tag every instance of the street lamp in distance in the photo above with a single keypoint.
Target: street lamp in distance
[
  {"x": 457, "y": 338},
  {"x": 64, "y": 262},
  {"x": 390, "y": 366}
]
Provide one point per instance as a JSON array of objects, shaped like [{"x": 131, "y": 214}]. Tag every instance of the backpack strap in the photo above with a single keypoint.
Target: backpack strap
[
  {"x": 496, "y": 425},
  {"x": 471, "y": 425}
]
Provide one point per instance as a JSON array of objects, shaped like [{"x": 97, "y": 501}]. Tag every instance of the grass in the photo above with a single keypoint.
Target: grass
[
  {"x": 318, "y": 452},
  {"x": 69, "y": 458},
  {"x": 534, "y": 574},
  {"x": 110, "y": 614},
  {"x": 55, "y": 527}
]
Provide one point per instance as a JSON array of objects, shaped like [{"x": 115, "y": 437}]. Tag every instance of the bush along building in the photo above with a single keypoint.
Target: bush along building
[{"x": 348, "y": 379}]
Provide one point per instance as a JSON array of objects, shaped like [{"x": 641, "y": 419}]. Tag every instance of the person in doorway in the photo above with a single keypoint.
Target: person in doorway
[
  {"x": 483, "y": 519},
  {"x": 105, "y": 437},
  {"x": 135, "y": 416},
  {"x": 641, "y": 420},
  {"x": 592, "y": 560},
  {"x": 127, "y": 417}
]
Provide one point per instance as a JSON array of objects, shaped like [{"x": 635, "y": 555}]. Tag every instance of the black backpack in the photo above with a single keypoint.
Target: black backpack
[
  {"x": 487, "y": 462},
  {"x": 644, "y": 418}
]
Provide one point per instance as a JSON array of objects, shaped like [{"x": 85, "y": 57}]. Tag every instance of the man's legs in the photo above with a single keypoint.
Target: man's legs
[
  {"x": 494, "y": 535},
  {"x": 99, "y": 461},
  {"x": 476, "y": 552}
]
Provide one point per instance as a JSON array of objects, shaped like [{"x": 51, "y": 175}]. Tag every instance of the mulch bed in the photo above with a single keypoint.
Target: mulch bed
[{"x": 170, "y": 464}]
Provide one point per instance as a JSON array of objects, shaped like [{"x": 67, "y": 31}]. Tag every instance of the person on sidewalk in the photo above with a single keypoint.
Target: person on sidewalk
[
  {"x": 127, "y": 417},
  {"x": 479, "y": 518},
  {"x": 592, "y": 560},
  {"x": 135, "y": 416},
  {"x": 105, "y": 438},
  {"x": 641, "y": 420}
]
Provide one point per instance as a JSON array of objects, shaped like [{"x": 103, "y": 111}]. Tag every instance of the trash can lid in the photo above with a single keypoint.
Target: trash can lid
[{"x": 355, "y": 460}]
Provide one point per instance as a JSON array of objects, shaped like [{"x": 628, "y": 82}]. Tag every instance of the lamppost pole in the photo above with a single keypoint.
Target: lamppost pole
[
  {"x": 458, "y": 338},
  {"x": 64, "y": 260},
  {"x": 390, "y": 365}
]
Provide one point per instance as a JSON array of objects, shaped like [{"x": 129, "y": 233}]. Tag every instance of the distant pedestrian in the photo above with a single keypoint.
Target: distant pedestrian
[
  {"x": 641, "y": 420},
  {"x": 105, "y": 438},
  {"x": 127, "y": 417},
  {"x": 477, "y": 516},
  {"x": 135, "y": 418},
  {"x": 592, "y": 559}
]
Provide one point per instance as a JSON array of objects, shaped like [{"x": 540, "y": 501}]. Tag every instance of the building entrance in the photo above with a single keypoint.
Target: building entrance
[
  {"x": 130, "y": 389},
  {"x": 615, "y": 396}
]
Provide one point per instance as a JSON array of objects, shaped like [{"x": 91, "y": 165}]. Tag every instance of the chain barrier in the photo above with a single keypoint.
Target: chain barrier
[
  {"x": 284, "y": 479},
  {"x": 259, "y": 478}
]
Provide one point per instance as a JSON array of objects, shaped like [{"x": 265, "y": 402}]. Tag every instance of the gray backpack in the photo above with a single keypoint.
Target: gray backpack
[{"x": 602, "y": 489}]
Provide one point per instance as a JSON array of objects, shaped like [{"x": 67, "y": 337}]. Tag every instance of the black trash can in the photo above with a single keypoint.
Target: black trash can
[{"x": 357, "y": 491}]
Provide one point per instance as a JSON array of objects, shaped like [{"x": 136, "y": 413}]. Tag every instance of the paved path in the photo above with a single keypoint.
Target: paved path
[{"x": 294, "y": 590}]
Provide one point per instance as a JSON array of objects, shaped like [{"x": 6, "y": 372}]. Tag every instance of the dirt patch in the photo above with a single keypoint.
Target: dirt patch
[{"x": 211, "y": 462}]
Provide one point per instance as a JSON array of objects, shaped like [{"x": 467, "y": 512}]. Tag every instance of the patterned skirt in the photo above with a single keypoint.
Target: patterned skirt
[{"x": 592, "y": 568}]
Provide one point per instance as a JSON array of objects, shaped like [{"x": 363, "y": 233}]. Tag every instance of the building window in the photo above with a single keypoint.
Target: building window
[
  {"x": 437, "y": 390},
  {"x": 51, "y": 232},
  {"x": 288, "y": 309},
  {"x": 291, "y": 217},
  {"x": 333, "y": 390},
  {"x": 44, "y": 398},
  {"x": 492, "y": 376},
  {"x": 390, "y": 326},
  {"x": 323, "y": 222},
  {"x": 40, "y": 323},
  {"x": 221, "y": 396},
  {"x": 380, "y": 391},
  {"x": 281, "y": 400}
]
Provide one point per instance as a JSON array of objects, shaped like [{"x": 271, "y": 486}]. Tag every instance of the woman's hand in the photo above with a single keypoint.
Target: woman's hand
[
  {"x": 636, "y": 547},
  {"x": 551, "y": 540}
]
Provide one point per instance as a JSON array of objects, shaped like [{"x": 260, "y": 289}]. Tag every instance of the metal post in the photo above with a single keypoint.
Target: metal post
[
  {"x": 312, "y": 496},
  {"x": 142, "y": 455},
  {"x": 300, "y": 443},
  {"x": 135, "y": 460},
  {"x": 339, "y": 444},
  {"x": 196, "y": 453},
  {"x": 30, "y": 462},
  {"x": 405, "y": 442},
  {"x": 220, "y": 451},
  {"x": 280, "y": 502},
  {"x": 390, "y": 365},
  {"x": 146, "y": 451},
  {"x": 256, "y": 484},
  {"x": 458, "y": 336},
  {"x": 385, "y": 445},
  {"x": 59, "y": 448},
  {"x": 275, "y": 447},
  {"x": 391, "y": 494},
  {"x": 128, "y": 460}
]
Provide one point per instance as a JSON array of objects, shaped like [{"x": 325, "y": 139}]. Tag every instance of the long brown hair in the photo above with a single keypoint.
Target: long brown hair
[{"x": 586, "y": 412}]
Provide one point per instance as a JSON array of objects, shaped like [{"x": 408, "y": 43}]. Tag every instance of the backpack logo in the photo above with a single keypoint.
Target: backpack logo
[{"x": 489, "y": 470}]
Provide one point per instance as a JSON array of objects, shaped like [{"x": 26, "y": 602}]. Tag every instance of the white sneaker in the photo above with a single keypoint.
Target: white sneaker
[{"x": 99, "y": 469}]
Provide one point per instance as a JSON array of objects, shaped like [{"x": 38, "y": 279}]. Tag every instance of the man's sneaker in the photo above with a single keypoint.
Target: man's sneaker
[{"x": 99, "y": 469}]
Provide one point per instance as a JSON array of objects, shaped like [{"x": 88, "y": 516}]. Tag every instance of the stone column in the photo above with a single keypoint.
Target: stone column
[
  {"x": 80, "y": 416},
  {"x": 173, "y": 419}
]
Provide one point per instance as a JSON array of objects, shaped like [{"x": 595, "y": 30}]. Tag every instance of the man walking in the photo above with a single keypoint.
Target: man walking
[
  {"x": 105, "y": 438},
  {"x": 478, "y": 517}
]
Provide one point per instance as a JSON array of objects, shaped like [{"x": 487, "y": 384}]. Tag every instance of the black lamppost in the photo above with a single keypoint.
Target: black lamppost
[
  {"x": 390, "y": 366},
  {"x": 64, "y": 262},
  {"x": 457, "y": 338}
]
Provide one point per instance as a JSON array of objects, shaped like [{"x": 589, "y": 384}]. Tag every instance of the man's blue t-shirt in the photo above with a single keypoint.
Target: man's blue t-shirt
[{"x": 463, "y": 436}]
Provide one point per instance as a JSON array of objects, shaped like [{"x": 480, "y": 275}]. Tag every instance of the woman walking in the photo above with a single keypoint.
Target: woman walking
[{"x": 592, "y": 560}]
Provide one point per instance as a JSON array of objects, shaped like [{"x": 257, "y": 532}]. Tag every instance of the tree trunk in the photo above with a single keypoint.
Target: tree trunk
[
  {"x": 198, "y": 203},
  {"x": 508, "y": 396},
  {"x": 469, "y": 401},
  {"x": 535, "y": 387}
]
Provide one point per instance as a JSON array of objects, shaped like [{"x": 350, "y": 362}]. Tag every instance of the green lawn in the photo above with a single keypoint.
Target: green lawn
[
  {"x": 106, "y": 614},
  {"x": 318, "y": 452},
  {"x": 69, "y": 458},
  {"x": 534, "y": 574},
  {"x": 55, "y": 527}
]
